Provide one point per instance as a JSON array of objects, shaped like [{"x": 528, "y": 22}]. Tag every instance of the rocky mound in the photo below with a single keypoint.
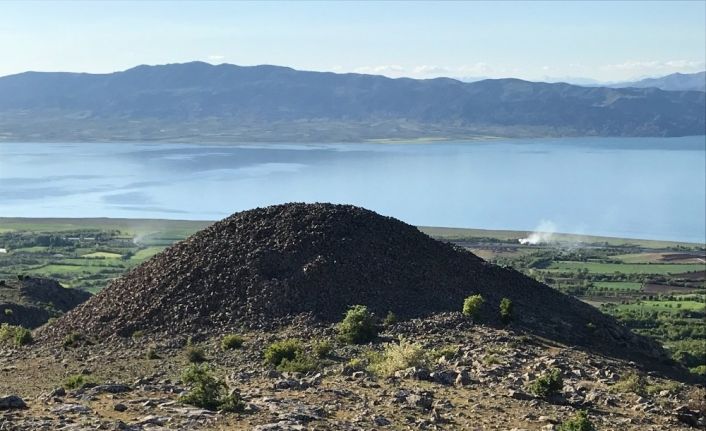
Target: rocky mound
[
  {"x": 32, "y": 301},
  {"x": 264, "y": 266}
]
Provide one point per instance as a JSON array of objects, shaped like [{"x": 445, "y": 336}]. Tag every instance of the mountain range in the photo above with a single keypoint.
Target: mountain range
[
  {"x": 202, "y": 102},
  {"x": 673, "y": 82}
]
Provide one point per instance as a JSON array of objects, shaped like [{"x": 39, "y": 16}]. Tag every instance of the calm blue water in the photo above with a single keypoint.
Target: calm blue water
[{"x": 646, "y": 188}]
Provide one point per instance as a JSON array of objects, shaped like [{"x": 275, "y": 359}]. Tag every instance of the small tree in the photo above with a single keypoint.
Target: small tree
[
  {"x": 506, "y": 310},
  {"x": 358, "y": 326},
  {"x": 471, "y": 306}
]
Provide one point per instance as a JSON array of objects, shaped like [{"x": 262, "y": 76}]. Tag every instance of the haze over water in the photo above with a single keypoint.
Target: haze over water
[{"x": 626, "y": 187}]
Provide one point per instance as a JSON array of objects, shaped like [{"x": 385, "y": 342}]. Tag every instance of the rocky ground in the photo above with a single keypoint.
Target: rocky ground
[{"x": 481, "y": 383}]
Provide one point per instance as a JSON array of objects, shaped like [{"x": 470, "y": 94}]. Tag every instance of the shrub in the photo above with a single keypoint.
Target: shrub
[
  {"x": 77, "y": 381},
  {"x": 232, "y": 341},
  {"x": 506, "y": 310},
  {"x": 289, "y": 356},
  {"x": 579, "y": 422},
  {"x": 8, "y": 312},
  {"x": 278, "y": 351},
  {"x": 207, "y": 392},
  {"x": 23, "y": 336},
  {"x": 471, "y": 305},
  {"x": 547, "y": 384},
  {"x": 300, "y": 364},
  {"x": 699, "y": 371},
  {"x": 447, "y": 352},
  {"x": 397, "y": 357},
  {"x": 358, "y": 326},
  {"x": 631, "y": 382},
  {"x": 356, "y": 364},
  {"x": 323, "y": 349},
  {"x": 195, "y": 355},
  {"x": 73, "y": 339},
  {"x": 390, "y": 319},
  {"x": 138, "y": 334},
  {"x": 16, "y": 335}
]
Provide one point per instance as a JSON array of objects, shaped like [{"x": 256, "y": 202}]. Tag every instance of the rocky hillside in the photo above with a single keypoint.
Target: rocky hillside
[
  {"x": 198, "y": 101},
  {"x": 458, "y": 375},
  {"x": 31, "y": 301},
  {"x": 262, "y": 268}
]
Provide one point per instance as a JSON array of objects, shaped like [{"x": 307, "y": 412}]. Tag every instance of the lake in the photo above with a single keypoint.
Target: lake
[{"x": 627, "y": 187}]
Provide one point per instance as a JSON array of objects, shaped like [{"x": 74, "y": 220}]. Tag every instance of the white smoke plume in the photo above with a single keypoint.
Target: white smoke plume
[{"x": 542, "y": 234}]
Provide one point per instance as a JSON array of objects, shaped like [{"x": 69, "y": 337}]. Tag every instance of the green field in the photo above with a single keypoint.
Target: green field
[
  {"x": 101, "y": 255},
  {"x": 669, "y": 306},
  {"x": 618, "y": 285},
  {"x": 146, "y": 253},
  {"x": 635, "y": 268},
  {"x": 130, "y": 227}
]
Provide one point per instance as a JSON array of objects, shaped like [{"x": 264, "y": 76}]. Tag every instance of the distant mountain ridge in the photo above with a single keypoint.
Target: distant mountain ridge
[
  {"x": 673, "y": 82},
  {"x": 202, "y": 102}
]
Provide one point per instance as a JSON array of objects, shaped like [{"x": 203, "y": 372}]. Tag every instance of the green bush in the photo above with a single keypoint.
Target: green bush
[
  {"x": 289, "y": 356},
  {"x": 356, "y": 364},
  {"x": 579, "y": 422},
  {"x": 23, "y": 336},
  {"x": 207, "y": 392},
  {"x": 195, "y": 355},
  {"x": 77, "y": 381},
  {"x": 232, "y": 341},
  {"x": 73, "y": 339},
  {"x": 471, "y": 305},
  {"x": 16, "y": 335},
  {"x": 8, "y": 312},
  {"x": 447, "y": 352},
  {"x": 278, "y": 351},
  {"x": 547, "y": 384},
  {"x": 506, "y": 310},
  {"x": 396, "y": 357},
  {"x": 390, "y": 319},
  {"x": 631, "y": 382},
  {"x": 358, "y": 326},
  {"x": 300, "y": 364},
  {"x": 323, "y": 349},
  {"x": 138, "y": 334},
  {"x": 700, "y": 370}
]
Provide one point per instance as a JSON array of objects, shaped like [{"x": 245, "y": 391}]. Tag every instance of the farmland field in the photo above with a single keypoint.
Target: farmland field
[{"x": 609, "y": 268}]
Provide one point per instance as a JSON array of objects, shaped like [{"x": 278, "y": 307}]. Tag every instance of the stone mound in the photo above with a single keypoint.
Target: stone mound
[
  {"x": 32, "y": 301},
  {"x": 265, "y": 266}
]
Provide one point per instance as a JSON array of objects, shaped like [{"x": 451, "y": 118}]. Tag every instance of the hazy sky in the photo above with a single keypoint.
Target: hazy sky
[{"x": 607, "y": 41}]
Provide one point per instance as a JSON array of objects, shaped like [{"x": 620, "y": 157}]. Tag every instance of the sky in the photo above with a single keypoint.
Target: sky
[{"x": 602, "y": 41}]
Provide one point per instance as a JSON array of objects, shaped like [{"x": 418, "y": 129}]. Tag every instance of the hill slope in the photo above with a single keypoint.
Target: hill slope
[
  {"x": 198, "y": 101},
  {"x": 263, "y": 267}
]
